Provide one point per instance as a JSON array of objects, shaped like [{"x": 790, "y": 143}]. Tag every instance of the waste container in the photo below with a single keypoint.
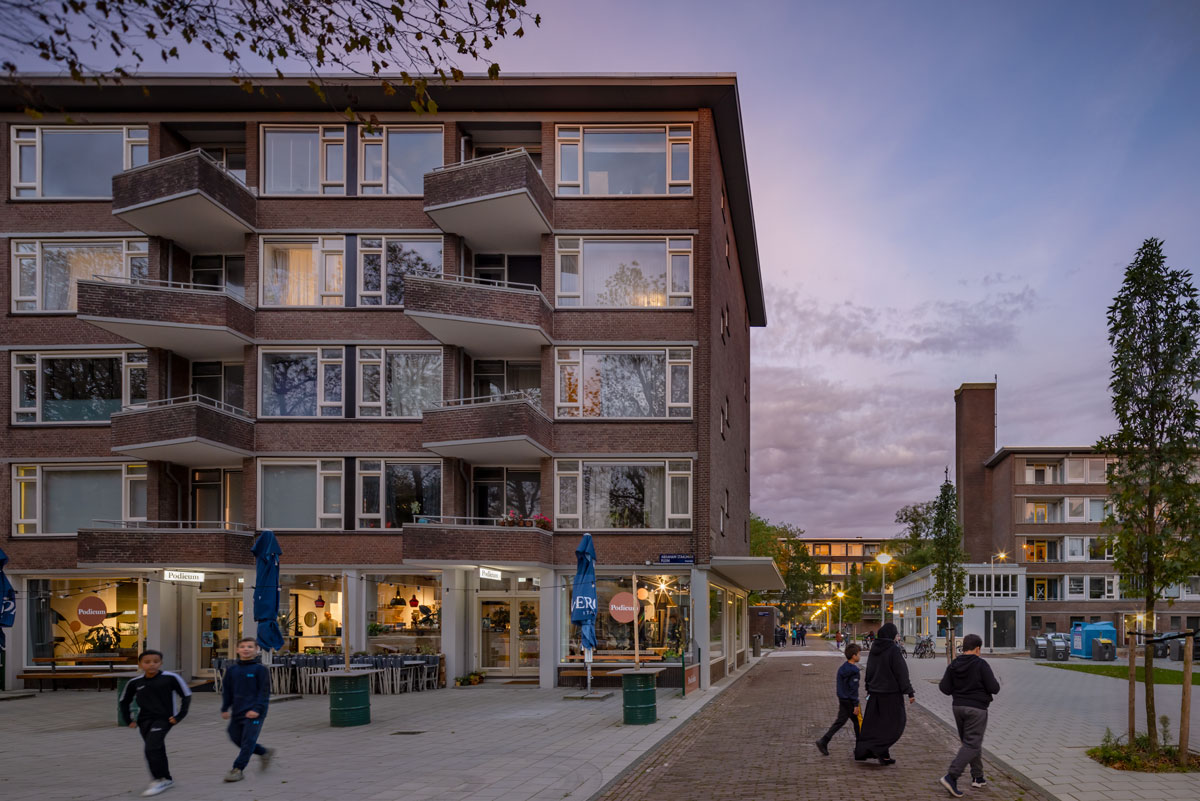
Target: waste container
[
  {"x": 1037, "y": 647},
  {"x": 639, "y": 695},
  {"x": 757, "y": 645},
  {"x": 133, "y": 706},
  {"x": 1162, "y": 650},
  {"x": 1059, "y": 650},
  {"x": 1103, "y": 650},
  {"x": 1176, "y": 649},
  {"x": 349, "y": 697},
  {"x": 1082, "y": 636}
]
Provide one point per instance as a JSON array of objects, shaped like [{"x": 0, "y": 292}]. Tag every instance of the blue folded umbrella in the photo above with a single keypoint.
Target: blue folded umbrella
[
  {"x": 8, "y": 600},
  {"x": 583, "y": 592},
  {"x": 266, "y": 552}
]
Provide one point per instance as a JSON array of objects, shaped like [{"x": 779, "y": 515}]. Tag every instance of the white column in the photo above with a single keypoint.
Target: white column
[
  {"x": 549, "y": 626},
  {"x": 162, "y": 623},
  {"x": 17, "y": 648},
  {"x": 456, "y": 602},
  {"x": 249, "y": 625},
  {"x": 700, "y": 634},
  {"x": 356, "y": 613}
]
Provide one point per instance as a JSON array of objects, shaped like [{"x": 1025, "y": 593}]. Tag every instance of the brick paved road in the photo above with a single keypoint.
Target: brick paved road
[{"x": 754, "y": 743}]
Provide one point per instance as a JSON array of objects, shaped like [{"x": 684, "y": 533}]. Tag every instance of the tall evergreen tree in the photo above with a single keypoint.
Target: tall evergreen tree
[
  {"x": 946, "y": 550},
  {"x": 1154, "y": 331}
]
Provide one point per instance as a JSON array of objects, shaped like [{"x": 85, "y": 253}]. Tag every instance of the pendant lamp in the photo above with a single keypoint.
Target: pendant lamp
[{"x": 320, "y": 602}]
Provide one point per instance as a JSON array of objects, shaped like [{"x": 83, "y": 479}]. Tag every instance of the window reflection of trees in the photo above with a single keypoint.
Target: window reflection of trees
[
  {"x": 63, "y": 265},
  {"x": 630, "y": 286},
  {"x": 624, "y": 496},
  {"x": 624, "y": 384},
  {"x": 412, "y": 490},
  {"x": 421, "y": 258},
  {"x": 414, "y": 382},
  {"x": 80, "y": 389},
  {"x": 290, "y": 385},
  {"x": 523, "y": 492}
]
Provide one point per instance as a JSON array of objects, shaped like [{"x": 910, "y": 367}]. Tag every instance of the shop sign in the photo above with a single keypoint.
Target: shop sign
[
  {"x": 676, "y": 559},
  {"x": 190, "y": 576},
  {"x": 488, "y": 573},
  {"x": 691, "y": 679},
  {"x": 623, "y": 607},
  {"x": 91, "y": 611}
]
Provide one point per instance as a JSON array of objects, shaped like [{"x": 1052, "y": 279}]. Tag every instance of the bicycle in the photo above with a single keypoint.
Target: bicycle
[{"x": 924, "y": 649}]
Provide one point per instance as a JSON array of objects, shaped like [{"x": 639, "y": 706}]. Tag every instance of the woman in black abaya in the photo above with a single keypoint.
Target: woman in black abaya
[{"x": 887, "y": 684}]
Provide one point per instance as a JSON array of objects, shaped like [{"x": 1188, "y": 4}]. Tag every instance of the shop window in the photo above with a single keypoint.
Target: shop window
[
  {"x": 64, "y": 387},
  {"x": 76, "y": 162},
  {"x": 716, "y": 623},
  {"x": 398, "y": 383},
  {"x": 45, "y": 272},
  {"x": 307, "y": 271},
  {"x": 300, "y": 494},
  {"x": 651, "y": 272},
  {"x": 311, "y": 613},
  {"x": 60, "y": 499},
  {"x": 301, "y": 383},
  {"x": 83, "y": 617},
  {"x": 665, "y": 628},
  {"x": 604, "y": 160},
  {"x": 624, "y": 384},
  {"x": 393, "y": 159},
  {"x": 608, "y": 495},
  {"x": 392, "y": 493},
  {"x": 385, "y": 261},
  {"x": 304, "y": 160},
  {"x": 404, "y": 614}
]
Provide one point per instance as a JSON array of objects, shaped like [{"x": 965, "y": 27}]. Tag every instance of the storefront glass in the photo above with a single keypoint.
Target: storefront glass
[
  {"x": 716, "y": 622},
  {"x": 84, "y": 617},
  {"x": 664, "y": 622},
  {"x": 404, "y": 614},
  {"x": 310, "y": 613}
]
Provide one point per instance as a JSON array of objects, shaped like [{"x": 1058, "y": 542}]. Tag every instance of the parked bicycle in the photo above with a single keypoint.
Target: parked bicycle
[{"x": 924, "y": 648}]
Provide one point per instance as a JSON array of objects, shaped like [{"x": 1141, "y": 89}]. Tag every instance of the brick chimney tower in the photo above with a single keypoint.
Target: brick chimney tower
[{"x": 974, "y": 444}]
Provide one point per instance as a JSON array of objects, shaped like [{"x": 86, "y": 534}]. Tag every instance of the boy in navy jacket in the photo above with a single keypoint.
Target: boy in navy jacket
[
  {"x": 847, "y": 695},
  {"x": 244, "y": 699}
]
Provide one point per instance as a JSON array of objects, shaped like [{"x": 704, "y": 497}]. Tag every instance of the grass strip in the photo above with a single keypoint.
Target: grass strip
[{"x": 1161, "y": 675}]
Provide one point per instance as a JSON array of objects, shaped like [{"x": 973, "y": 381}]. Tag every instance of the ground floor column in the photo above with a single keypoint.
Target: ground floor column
[
  {"x": 700, "y": 617},
  {"x": 17, "y": 642},
  {"x": 163, "y": 630},
  {"x": 249, "y": 624},
  {"x": 456, "y": 602},
  {"x": 549, "y": 628},
  {"x": 354, "y": 636}
]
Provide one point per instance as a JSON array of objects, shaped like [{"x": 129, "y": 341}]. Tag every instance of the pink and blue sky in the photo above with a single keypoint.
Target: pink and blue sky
[{"x": 944, "y": 192}]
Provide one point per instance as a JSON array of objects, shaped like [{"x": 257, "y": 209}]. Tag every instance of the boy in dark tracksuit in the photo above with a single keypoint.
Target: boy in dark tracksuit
[
  {"x": 244, "y": 699},
  {"x": 970, "y": 680},
  {"x": 847, "y": 695},
  {"x": 155, "y": 689}
]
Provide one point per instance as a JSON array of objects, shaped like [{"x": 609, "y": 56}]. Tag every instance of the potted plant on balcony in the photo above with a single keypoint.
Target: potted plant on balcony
[
  {"x": 542, "y": 522},
  {"x": 512, "y": 518}
]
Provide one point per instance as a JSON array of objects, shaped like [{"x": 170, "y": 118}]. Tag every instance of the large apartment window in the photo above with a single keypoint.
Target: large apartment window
[
  {"x": 60, "y": 499},
  {"x": 495, "y": 491},
  {"x": 624, "y": 273},
  {"x": 1042, "y": 473},
  {"x": 303, "y": 272},
  {"x": 604, "y": 160},
  {"x": 304, "y": 160},
  {"x": 75, "y": 163},
  {"x": 394, "y": 492},
  {"x": 226, "y": 273},
  {"x": 64, "y": 387},
  {"x": 394, "y": 159},
  {"x": 46, "y": 271},
  {"x": 623, "y": 495},
  {"x": 1102, "y": 588},
  {"x": 384, "y": 261},
  {"x": 300, "y": 494},
  {"x": 621, "y": 383},
  {"x": 395, "y": 382},
  {"x": 301, "y": 383}
]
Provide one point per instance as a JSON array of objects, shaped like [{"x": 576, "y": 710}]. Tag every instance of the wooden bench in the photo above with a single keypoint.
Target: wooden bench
[
  {"x": 72, "y": 675},
  {"x": 112, "y": 660},
  {"x": 595, "y": 673}
]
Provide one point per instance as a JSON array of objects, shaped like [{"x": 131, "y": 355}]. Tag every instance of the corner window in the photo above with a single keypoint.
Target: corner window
[
  {"x": 74, "y": 163},
  {"x": 398, "y": 383},
  {"x": 384, "y": 261},
  {"x": 393, "y": 160},
  {"x": 304, "y": 160},
  {"x": 603, "y": 160},
  {"x": 300, "y": 494},
  {"x": 609, "y": 495},
  {"x": 45, "y": 272},
  {"x": 60, "y": 499},
  {"x": 63, "y": 387},
  {"x": 624, "y": 273},
  {"x": 303, "y": 272},
  {"x": 620, "y": 383},
  {"x": 392, "y": 493},
  {"x": 301, "y": 383}
]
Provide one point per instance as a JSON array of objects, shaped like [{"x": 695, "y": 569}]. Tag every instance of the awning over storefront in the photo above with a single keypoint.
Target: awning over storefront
[{"x": 751, "y": 572}]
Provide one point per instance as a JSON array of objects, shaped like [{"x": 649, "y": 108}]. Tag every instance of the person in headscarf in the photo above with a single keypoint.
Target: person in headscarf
[{"x": 884, "y": 716}]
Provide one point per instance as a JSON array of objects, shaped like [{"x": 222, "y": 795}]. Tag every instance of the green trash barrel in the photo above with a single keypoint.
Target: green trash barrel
[
  {"x": 133, "y": 707},
  {"x": 640, "y": 698},
  {"x": 350, "y": 700}
]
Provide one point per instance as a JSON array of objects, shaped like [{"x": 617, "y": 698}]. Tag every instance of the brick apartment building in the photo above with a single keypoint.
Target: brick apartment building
[
  {"x": 231, "y": 312},
  {"x": 836, "y": 555},
  {"x": 1042, "y": 506}
]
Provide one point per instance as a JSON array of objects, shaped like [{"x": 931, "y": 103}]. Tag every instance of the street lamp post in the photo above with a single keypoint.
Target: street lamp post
[
  {"x": 992, "y": 612},
  {"x": 884, "y": 559},
  {"x": 840, "y": 595}
]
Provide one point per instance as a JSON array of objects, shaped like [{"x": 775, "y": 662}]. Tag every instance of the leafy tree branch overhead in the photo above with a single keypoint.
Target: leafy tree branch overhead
[{"x": 407, "y": 43}]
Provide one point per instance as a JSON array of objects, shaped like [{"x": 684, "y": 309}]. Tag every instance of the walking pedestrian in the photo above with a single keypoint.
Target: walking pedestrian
[
  {"x": 155, "y": 689},
  {"x": 803, "y": 633},
  {"x": 245, "y": 695},
  {"x": 969, "y": 679},
  {"x": 847, "y": 696},
  {"x": 887, "y": 684}
]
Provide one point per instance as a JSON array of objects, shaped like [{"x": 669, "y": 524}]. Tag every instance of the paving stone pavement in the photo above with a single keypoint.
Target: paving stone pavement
[
  {"x": 487, "y": 743},
  {"x": 755, "y": 743},
  {"x": 1044, "y": 720}
]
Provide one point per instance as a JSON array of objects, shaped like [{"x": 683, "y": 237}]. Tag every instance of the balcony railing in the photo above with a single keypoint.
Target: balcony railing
[
  {"x": 489, "y": 283},
  {"x": 203, "y": 400},
  {"x": 532, "y": 397},
  {"x": 175, "y": 525},
  {"x": 183, "y": 286}
]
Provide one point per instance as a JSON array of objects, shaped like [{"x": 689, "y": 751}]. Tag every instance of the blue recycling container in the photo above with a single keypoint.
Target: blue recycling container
[{"x": 1082, "y": 635}]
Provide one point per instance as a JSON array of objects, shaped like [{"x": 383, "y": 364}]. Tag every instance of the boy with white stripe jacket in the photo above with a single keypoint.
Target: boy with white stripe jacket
[{"x": 155, "y": 689}]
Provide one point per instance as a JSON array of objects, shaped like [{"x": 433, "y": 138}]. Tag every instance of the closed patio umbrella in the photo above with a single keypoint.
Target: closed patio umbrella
[
  {"x": 583, "y": 599},
  {"x": 266, "y": 552},
  {"x": 8, "y": 600}
]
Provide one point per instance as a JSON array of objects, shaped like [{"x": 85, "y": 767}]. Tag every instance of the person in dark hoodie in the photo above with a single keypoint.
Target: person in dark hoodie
[
  {"x": 155, "y": 689},
  {"x": 245, "y": 694},
  {"x": 969, "y": 679},
  {"x": 887, "y": 683},
  {"x": 847, "y": 695}
]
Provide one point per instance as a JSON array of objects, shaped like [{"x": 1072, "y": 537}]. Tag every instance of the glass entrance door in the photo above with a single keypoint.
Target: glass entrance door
[
  {"x": 509, "y": 641},
  {"x": 219, "y": 629}
]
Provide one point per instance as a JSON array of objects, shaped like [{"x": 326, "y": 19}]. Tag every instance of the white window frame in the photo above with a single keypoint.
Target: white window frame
[
  {"x": 327, "y": 136},
  {"x": 134, "y": 136},
  {"x": 135, "y": 255},
  {"x": 572, "y": 358},
  {"x": 323, "y": 248},
  {"x": 377, "y": 469},
  {"x": 1081, "y": 464},
  {"x": 32, "y": 473},
  {"x": 325, "y": 356},
  {"x": 376, "y": 356},
  {"x": 324, "y": 468},
  {"x": 1083, "y": 555},
  {"x": 681, "y": 245},
  {"x": 1082, "y": 517},
  {"x": 130, "y": 360},
  {"x": 674, "y": 133},
  {"x": 1083, "y": 592},
  {"x": 379, "y": 138},
  {"x": 381, "y": 251},
  {"x": 574, "y": 468},
  {"x": 1111, "y": 587}
]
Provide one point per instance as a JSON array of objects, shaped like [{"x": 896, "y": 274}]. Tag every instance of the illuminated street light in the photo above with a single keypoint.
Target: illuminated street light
[{"x": 884, "y": 559}]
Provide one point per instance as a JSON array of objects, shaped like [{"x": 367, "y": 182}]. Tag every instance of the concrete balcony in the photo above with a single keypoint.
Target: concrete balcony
[
  {"x": 165, "y": 543},
  {"x": 468, "y": 541},
  {"x": 499, "y": 204},
  {"x": 194, "y": 430},
  {"x": 508, "y": 429},
  {"x": 189, "y": 198},
  {"x": 198, "y": 323},
  {"x": 487, "y": 318}
]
